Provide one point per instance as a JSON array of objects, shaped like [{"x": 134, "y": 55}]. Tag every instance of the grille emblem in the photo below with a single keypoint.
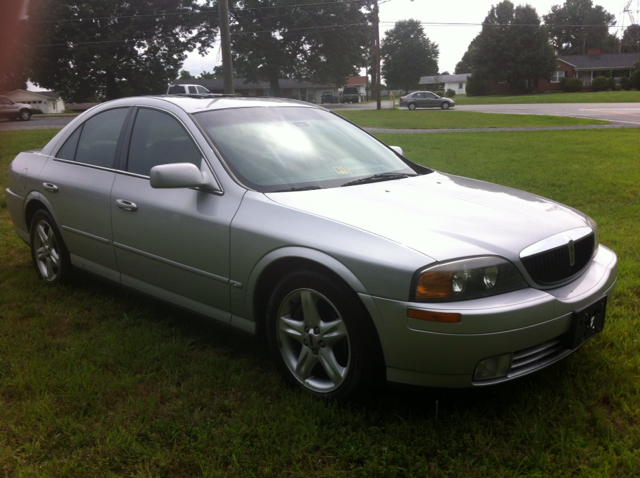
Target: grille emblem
[{"x": 572, "y": 253}]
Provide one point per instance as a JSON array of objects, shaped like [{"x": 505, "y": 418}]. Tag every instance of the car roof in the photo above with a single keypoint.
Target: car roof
[{"x": 198, "y": 103}]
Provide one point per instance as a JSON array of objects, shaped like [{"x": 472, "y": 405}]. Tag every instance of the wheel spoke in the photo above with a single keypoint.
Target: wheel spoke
[
  {"x": 292, "y": 328},
  {"x": 55, "y": 258},
  {"x": 332, "y": 332},
  {"x": 51, "y": 238},
  {"x": 41, "y": 253},
  {"x": 42, "y": 234},
  {"x": 50, "y": 270},
  {"x": 305, "y": 364},
  {"x": 334, "y": 370},
  {"x": 310, "y": 309}
]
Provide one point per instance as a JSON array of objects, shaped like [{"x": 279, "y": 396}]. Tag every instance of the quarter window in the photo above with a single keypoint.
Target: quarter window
[
  {"x": 158, "y": 138},
  {"x": 95, "y": 141}
]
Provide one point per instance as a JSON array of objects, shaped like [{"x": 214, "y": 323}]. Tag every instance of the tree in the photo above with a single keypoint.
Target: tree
[
  {"x": 578, "y": 25},
  {"x": 512, "y": 46},
  {"x": 105, "y": 49},
  {"x": 302, "y": 39},
  {"x": 13, "y": 74},
  {"x": 630, "y": 42},
  {"x": 464, "y": 65},
  {"x": 408, "y": 54},
  {"x": 185, "y": 75}
]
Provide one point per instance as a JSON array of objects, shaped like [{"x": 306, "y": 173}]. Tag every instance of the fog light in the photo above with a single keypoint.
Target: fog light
[{"x": 494, "y": 367}]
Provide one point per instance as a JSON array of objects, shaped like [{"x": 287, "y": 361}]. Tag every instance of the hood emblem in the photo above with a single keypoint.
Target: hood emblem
[{"x": 572, "y": 253}]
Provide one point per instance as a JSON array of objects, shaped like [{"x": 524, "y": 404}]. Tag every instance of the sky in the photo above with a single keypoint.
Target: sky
[{"x": 453, "y": 40}]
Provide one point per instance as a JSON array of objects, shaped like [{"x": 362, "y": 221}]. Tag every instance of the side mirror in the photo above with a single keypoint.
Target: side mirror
[
  {"x": 178, "y": 175},
  {"x": 398, "y": 150}
]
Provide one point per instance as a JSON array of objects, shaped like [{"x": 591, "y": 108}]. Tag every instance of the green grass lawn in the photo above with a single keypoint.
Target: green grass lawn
[
  {"x": 97, "y": 382},
  {"x": 452, "y": 119},
  {"x": 590, "y": 97}
]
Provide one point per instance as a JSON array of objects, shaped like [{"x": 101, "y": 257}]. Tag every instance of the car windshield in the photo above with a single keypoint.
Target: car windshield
[{"x": 289, "y": 148}]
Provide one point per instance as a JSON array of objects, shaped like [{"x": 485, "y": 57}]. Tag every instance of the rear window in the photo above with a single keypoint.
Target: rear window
[
  {"x": 176, "y": 90},
  {"x": 350, "y": 91}
]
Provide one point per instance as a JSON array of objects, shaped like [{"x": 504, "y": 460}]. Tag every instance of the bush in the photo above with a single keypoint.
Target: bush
[
  {"x": 563, "y": 82},
  {"x": 439, "y": 92},
  {"x": 617, "y": 88},
  {"x": 600, "y": 83},
  {"x": 625, "y": 83},
  {"x": 612, "y": 84},
  {"x": 635, "y": 80},
  {"x": 572, "y": 85},
  {"x": 37, "y": 111},
  {"x": 476, "y": 87},
  {"x": 450, "y": 93}
]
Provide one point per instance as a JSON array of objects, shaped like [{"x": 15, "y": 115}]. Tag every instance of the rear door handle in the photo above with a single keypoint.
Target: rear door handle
[
  {"x": 126, "y": 205},
  {"x": 50, "y": 187}
]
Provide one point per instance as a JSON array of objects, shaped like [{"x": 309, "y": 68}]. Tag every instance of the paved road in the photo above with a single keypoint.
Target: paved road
[
  {"x": 628, "y": 113},
  {"x": 36, "y": 122}
]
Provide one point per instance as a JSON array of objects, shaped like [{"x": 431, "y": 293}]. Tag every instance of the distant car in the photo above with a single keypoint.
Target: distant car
[
  {"x": 15, "y": 111},
  {"x": 328, "y": 97},
  {"x": 426, "y": 99},
  {"x": 350, "y": 94},
  {"x": 187, "y": 90},
  {"x": 283, "y": 220}
]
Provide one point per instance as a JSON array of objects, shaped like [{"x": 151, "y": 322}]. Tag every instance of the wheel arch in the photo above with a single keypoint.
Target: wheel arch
[
  {"x": 277, "y": 264},
  {"x": 35, "y": 202}
]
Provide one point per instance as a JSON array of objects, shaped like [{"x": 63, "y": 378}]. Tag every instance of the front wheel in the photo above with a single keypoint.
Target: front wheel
[
  {"x": 50, "y": 256},
  {"x": 444, "y": 106},
  {"x": 412, "y": 106},
  {"x": 24, "y": 115},
  {"x": 321, "y": 337}
]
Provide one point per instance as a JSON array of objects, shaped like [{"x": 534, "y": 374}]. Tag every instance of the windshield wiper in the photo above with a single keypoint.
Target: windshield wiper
[
  {"x": 303, "y": 188},
  {"x": 378, "y": 177}
]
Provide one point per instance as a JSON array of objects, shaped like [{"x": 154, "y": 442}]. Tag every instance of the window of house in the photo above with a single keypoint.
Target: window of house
[
  {"x": 557, "y": 76},
  {"x": 502, "y": 82}
]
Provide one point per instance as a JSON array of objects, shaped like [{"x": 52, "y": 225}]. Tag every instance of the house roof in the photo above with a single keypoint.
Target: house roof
[
  {"x": 459, "y": 78},
  {"x": 40, "y": 94},
  {"x": 605, "y": 61},
  {"x": 242, "y": 84},
  {"x": 357, "y": 80}
]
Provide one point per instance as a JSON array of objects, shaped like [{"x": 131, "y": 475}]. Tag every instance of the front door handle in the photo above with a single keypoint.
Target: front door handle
[
  {"x": 50, "y": 187},
  {"x": 126, "y": 205}
]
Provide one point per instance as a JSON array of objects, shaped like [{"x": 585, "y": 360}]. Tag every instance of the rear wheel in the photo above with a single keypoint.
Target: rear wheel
[
  {"x": 50, "y": 256},
  {"x": 321, "y": 337},
  {"x": 412, "y": 106}
]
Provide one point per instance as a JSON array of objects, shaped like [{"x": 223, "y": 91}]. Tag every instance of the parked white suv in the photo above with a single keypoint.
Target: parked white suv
[
  {"x": 15, "y": 111},
  {"x": 187, "y": 90}
]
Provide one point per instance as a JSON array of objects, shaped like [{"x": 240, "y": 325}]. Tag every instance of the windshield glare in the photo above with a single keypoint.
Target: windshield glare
[{"x": 275, "y": 149}]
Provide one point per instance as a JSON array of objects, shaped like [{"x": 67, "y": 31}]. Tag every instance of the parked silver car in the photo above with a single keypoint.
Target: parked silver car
[
  {"x": 426, "y": 99},
  {"x": 16, "y": 111},
  {"x": 277, "y": 217}
]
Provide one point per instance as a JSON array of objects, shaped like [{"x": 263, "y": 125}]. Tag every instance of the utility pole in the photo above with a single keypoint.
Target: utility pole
[
  {"x": 225, "y": 46},
  {"x": 376, "y": 27}
]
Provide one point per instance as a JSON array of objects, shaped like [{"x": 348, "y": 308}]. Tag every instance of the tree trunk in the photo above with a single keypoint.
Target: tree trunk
[
  {"x": 112, "y": 85},
  {"x": 274, "y": 84}
]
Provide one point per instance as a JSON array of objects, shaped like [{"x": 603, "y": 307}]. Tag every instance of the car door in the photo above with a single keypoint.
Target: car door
[
  {"x": 8, "y": 109},
  {"x": 171, "y": 243},
  {"x": 432, "y": 100},
  {"x": 419, "y": 99},
  {"x": 76, "y": 183}
]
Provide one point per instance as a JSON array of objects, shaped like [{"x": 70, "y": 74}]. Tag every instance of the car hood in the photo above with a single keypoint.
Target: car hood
[{"x": 438, "y": 213}]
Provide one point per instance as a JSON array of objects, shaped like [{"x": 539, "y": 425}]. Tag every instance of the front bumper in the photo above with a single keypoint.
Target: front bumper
[{"x": 524, "y": 323}]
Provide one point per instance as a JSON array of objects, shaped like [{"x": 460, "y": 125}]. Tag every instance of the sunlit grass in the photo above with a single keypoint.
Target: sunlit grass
[
  {"x": 454, "y": 119},
  {"x": 97, "y": 382},
  {"x": 587, "y": 97}
]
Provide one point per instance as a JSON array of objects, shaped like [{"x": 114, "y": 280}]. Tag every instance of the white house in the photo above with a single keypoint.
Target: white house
[
  {"x": 49, "y": 102},
  {"x": 457, "y": 83}
]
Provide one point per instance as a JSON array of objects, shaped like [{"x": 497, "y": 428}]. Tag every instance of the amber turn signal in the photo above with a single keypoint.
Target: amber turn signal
[{"x": 433, "y": 316}]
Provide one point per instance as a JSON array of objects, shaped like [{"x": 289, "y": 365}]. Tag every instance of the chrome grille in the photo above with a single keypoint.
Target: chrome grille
[
  {"x": 533, "y": 358},
  {"x": 554, "y": 266}
]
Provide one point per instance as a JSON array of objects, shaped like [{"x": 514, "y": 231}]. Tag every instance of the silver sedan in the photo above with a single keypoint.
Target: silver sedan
[
  {"x": 426, "y": 99},
  {"x": 353, "y": 264}
]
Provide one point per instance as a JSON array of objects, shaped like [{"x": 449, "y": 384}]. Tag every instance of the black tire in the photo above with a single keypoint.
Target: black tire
[
  {"x": 445, "y": 106},
  {"x": 24, "y": 115},
  {"x": 322, "y": 338},
  {"x": 411, "y": 106},
  {"x": 48, "y": 251}
]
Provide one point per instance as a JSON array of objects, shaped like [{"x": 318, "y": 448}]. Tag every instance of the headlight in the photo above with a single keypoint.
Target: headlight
[{"x": 466, "y": 279}]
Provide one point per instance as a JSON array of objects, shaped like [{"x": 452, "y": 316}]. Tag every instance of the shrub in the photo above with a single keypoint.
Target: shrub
[
  {"x": 563, "y": 82},
  {"x": 439, "y": 92},
  {"x": 625, "y": 83},
  {"x": 600, "y": 83},
  {"x": 635, "y": 80},
  {"x": 573, "y": 85},
  {"x": 37, "y": 111},
  {"x": 476, "y": 87},
  {"x": 612, "y": 84},
  {"x": 617, "y": 88},
  {"x": 450, "y": 93}
]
